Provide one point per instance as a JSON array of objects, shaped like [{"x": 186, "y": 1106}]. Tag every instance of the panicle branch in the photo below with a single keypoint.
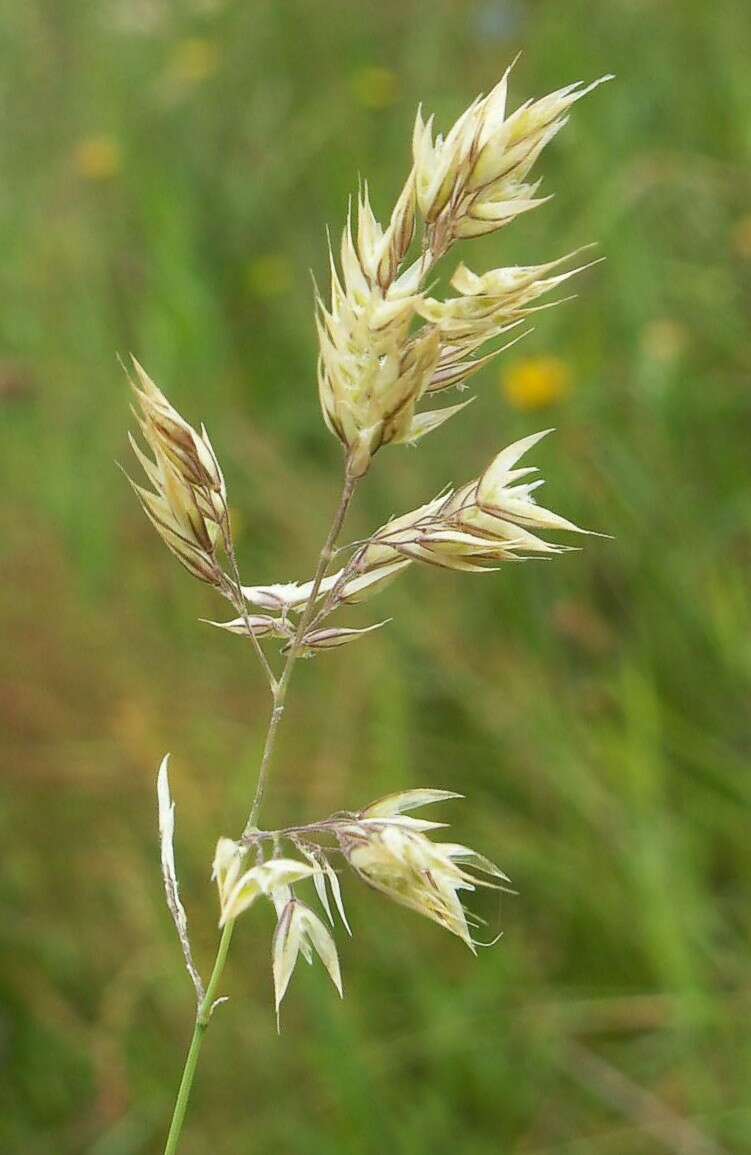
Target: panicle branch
[
  {"x": 383, "y": 844},
  {"x": 490, "y": 520}
]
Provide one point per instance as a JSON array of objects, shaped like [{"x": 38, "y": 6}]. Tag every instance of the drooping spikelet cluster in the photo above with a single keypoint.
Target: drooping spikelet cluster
[
  {"x": 386, "y": 346},
  {"x": 385, "y": 846}
]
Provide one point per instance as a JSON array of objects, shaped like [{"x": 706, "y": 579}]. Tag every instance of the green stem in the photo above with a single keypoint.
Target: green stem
[
  {"x": 203, "y": 1017},
  {"x": 281, "y": 687},
  {"x": 279, "y": 693}
]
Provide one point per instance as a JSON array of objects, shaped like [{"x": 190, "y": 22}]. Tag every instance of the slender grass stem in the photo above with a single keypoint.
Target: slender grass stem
[
  {"x": 203, "y": 1017},
  {"x": 279, "y": 692}
]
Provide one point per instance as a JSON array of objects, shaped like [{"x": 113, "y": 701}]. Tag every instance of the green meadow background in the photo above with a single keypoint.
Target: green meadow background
[{"x": 168, "y": 170}]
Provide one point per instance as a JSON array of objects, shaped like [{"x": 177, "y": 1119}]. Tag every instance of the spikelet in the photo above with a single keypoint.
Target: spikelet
[
  {"x": 187, "y": 504},
  {"x": 239, "y": 889},
  {"x": 375, "y": 365},
  {"x": 333, "y": 637},
  {"x": 475, "y": 528},
  {"x": 489, "y": 306},
  {"x": 299, "y": 932},
  {"x": 294, "y": 596},
  {"x": 262, "y": 626},
  {"x": 372, "y": 371},
  {"x": 474, "y": 180},
  {"x": 391, "y": 852}
]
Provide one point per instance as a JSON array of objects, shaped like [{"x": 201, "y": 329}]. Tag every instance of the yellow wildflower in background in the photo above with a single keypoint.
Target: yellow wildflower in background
[
  {"x": 536, "y": 382},
  {"x": 97, "y": 158},
  {"x": 194, "y": 60},
  {"x": 270, "y": 275},
  {"x": 375, "y": 87}
]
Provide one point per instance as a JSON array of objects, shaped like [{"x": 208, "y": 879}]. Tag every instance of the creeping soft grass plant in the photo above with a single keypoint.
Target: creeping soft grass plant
[{"x": 387, "y": 346}]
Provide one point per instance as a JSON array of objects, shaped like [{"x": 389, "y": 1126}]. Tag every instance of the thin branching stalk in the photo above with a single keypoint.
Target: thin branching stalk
[
  {"x": 280, "y": 690},
  {"x": 386, "y": 347},
  {"x": 279, "y": 693}
]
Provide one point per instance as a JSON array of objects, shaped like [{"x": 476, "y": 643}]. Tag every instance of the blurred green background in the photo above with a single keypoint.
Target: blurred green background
[{"x": 168, "y": 170}]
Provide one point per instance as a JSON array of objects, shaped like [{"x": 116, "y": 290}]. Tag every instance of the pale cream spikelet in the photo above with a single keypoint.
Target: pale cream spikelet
[
  {"x": 239, "y": 889},
  {"x": 333, "y": 637},
  {"x": 475, "y": 528},
  {"x": 489, "y": 305},
  {"x": 372, "y": 370},
  {"x": 187, "y": 504},
  {"x": 227, "y": 867},
  {"x": 492, "y": 519},
  {"x": 473, "y": 181},
  {"x": 390, "y": 851},
  {"x": 285, "y": 596},
  {"x": 375, "y": 366},
  {"x": 299, "y": 931},
  {"x": 381, "y": 252}
]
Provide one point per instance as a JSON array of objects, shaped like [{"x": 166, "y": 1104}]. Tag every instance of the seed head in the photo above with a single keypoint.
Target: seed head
[
  {"x": 487, "y": 521},
  {"x": 188, "y": 504},
  {"x": 391, "y": 852},
  {"x": 473, "y": 181},
  {"x": 489, "y": 306},
  {"x": 372, "y": 371}
]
